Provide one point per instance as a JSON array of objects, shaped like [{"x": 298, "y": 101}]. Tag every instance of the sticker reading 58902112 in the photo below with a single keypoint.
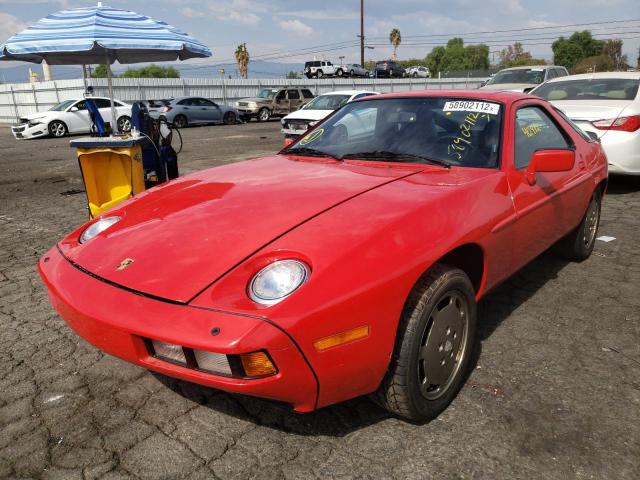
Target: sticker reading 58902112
[{"x": 471, "y": 106}]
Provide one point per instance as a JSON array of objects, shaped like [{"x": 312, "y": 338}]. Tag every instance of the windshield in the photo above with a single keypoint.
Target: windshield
[
  {"x": 327, "y": 102},
  {"x": 440, "y": 130},
  {"x": 267, "y": 93},
  {"x": 522, "y": 75},
  {"x": 590, "y": 89},
  {"x": 63, "y": 106}
]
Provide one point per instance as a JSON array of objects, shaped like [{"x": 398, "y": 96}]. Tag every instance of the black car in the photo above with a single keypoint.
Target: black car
[{"x": 389, "y": 68}]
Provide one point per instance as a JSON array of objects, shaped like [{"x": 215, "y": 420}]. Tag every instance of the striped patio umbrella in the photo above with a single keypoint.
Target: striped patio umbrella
[{"x": 101, "y": 34}]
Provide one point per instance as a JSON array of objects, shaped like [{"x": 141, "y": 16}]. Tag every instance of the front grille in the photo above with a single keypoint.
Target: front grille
[
  {"x": 243, "y": 104},
  {"x": 19, "y": 128}
]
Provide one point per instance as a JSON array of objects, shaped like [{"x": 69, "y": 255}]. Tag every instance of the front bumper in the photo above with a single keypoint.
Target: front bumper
[
  {"x": 248, "y": 111},
  {"x": 118, "y": 321},
  {"x": 25, "y": 131}
]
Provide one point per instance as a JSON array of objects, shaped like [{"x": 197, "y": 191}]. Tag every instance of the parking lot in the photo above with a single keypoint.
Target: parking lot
[{"x": 554, "y": 391}]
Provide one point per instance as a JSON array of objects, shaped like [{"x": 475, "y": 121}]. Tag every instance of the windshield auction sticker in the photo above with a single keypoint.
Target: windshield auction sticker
[
  {"x": 316, "y": 134},
  {"x": 471, "y": 106}
]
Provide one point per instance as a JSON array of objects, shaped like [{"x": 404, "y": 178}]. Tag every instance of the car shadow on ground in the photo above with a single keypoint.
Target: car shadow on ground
[
  {"x": 623, "y": 184},
  {"x": 346, "y": 417}
]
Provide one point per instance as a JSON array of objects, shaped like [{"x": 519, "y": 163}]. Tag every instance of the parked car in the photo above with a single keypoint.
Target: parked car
[
  {"x": 389, "y": 68},
  {"x": 156, "y": 105},
  {"x": 322, "y": 68},
  {"x": 350, "y": 263},
  {"x": 70, "y": 116},
  {"x": 418, "y": 71},
  {"x": 523, "y": 79},
  {"x": 185, "y": 111},
  {"x": 355, "y": 70},
  {"x": 606, "y": 105},
  {"x": 298, "y": 122},
  {"x": 273, "y": 102}
]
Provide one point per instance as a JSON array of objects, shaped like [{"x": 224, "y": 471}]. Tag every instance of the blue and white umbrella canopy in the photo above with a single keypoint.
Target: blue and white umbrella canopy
[{"x": 91, "y": 35}]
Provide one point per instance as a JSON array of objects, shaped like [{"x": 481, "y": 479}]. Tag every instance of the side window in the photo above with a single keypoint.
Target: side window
[
  {"x": 280, "y": 95},
  {"x": 562, "y": 72},
  {"x": 80, "y": 105},
  {"x": 534, "y": 131},
  {"x": 186, "y": 101},
  {"x": 293, "y": 94},
  {"x": 307, "y": 93},
  {"x": 361, "y": 95},
  {"x": 103, "y": 103},
  {"x": 551, "y": 73},
  {"x": 206, "y": 103}
]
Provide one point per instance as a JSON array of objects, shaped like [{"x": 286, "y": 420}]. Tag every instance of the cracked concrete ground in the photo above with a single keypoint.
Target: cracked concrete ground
[{"x": 554, "y": 394}]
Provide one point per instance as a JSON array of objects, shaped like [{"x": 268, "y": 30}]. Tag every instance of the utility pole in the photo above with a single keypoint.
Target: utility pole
[{"x": 362, "y": 33}]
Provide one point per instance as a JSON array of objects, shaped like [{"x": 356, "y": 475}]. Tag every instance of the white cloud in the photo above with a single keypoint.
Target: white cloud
[
  {"x": 238, "y": 11},
  {"x": 296, "y": 27},
  {"x": 10, "y": 25},
  {"x": 329, "y": 14}
]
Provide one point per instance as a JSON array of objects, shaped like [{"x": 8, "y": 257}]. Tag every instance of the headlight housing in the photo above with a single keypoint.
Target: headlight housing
[
  {"x": 98, "y": 227},
  {"x": 277, "y": 281}
]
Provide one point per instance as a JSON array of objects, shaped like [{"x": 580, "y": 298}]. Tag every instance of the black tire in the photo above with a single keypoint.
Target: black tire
[
  {"x": 438, "y": 320},
  {"x": 352, "y": 73},
  {"x": 319, "y": 74},
  {"x": 339, "y": 72},
  {"x": 415, "y": 74},
  {"x": 264, "y": 114},
  {"x": 124, "y": 124},
  {"x": 180, "y": 121},
  {"x": 58, "y": 129},
  {"x": 578, "y": 244},
  {"x": 229, "y": 118}
]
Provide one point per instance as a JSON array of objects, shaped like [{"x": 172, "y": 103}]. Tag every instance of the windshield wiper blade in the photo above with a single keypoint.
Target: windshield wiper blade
[
  {"x": 309, "y": 152},
  {"x": 387, "y": 155}
]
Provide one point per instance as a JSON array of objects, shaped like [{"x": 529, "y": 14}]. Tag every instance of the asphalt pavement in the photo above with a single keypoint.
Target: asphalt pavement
[{"x": 554, "y": 392}]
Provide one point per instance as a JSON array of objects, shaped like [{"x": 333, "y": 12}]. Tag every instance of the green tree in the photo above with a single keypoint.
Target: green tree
[
  {"x": 456, "y": 56},
  {"x": 515, "y": 56},
  {"x": 293, "y": 75},
  {"x": 569, "y": 51},
  {"x": 242, "y": 59},
  {"x": 597, "y": 63},
  {"x": 99, "y": 72},
  {"x": 613, "y": 50},
  {"x": 151, "y": 71},
  {"x": 395, "y": 39}
]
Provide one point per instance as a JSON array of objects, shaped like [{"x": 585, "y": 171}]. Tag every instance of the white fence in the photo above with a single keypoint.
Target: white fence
[{"x": 20, "y": 99}]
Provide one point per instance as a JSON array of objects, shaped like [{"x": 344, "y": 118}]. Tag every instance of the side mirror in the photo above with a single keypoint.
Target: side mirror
[
  {"x": 73, "y": 109},
  {"x": 549, "y": 161},
  {"x": 593, "y": 136}
]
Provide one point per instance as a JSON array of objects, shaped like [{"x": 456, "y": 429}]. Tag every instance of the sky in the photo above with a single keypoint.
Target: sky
[{"x": 280, "y": 30}]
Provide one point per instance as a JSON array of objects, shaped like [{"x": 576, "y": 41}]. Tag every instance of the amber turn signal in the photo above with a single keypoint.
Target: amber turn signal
[
  {"x": 341, "y": 338},
  {"x": 257, "y": 364}
]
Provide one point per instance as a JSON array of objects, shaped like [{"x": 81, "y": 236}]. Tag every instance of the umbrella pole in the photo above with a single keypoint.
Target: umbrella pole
[
  {"x": 114, "y": 120},
  {"x": 84, "y": 78}
]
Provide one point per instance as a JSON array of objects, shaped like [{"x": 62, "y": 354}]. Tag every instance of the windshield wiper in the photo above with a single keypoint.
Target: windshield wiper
[
  {"x": 387, "y": 155},
  {"x": 309, "y": 152}
]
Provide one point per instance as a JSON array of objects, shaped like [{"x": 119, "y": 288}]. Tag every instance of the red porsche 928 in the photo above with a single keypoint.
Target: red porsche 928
[{"x": 350, "y": 263}]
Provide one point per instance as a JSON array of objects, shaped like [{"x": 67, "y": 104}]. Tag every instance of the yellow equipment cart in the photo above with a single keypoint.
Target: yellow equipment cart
[{"x": 111, "y": 168}]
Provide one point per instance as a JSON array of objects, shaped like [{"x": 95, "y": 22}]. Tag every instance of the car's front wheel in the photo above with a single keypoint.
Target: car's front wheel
[
  {"x": 229, "y": 118},
  {"x": 433, "y": 346},
  {"x": 579, "y": 243},
  {"x": 339, "y": 72},
  {"x": 124, "y": 124},
  {"x": 58, "y": 129},
  {"x": 264, "y": 114}
]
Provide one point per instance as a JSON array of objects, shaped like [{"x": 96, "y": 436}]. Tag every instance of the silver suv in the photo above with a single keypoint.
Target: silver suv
[{"x": 273, "y": 102}]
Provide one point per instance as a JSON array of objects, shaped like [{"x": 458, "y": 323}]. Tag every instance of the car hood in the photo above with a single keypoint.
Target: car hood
[
  {"x": 175, "y": 240},
  {"x": 308, "y": 114},
  {"x": 255, "y": 100},
  {"x": 510, "y": 87},
  {"x": 36, "y": 116}
]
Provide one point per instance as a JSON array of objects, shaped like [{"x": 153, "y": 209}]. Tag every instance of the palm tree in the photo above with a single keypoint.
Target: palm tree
[
  {"x": 395, "y": 38},
  {"x": 242, "y": 59}
]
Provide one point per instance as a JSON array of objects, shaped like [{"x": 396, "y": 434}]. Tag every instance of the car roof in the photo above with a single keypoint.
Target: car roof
[
  {"x": 346, "y": 92},
  {"x": 595, "y": 76},
  {"x": 490, "y": 95},
  {"x": 525, "y": 67}
]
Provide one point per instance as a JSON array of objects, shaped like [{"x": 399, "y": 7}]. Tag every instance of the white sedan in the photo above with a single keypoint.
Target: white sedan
[
  {"x": 71, "y": 116},
  {"x": 298, "y": 122},
  {"x": 604, "y": 104}
]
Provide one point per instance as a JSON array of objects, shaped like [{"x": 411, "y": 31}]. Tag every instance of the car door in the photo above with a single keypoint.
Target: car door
[
  {"x": 104, "y": 107},
  {"x": 545, "y": 208},
  {"x": 295, "y": 102},
  {"x": 188, "y": 109},
  {"x": 280, "y": 103},
  {"x": 77, "y": 118},
  {"x": 209, "y": 110}
]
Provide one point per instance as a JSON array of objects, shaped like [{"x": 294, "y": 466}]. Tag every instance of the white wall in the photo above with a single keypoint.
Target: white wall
[{"x": 24, "y": 98}]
